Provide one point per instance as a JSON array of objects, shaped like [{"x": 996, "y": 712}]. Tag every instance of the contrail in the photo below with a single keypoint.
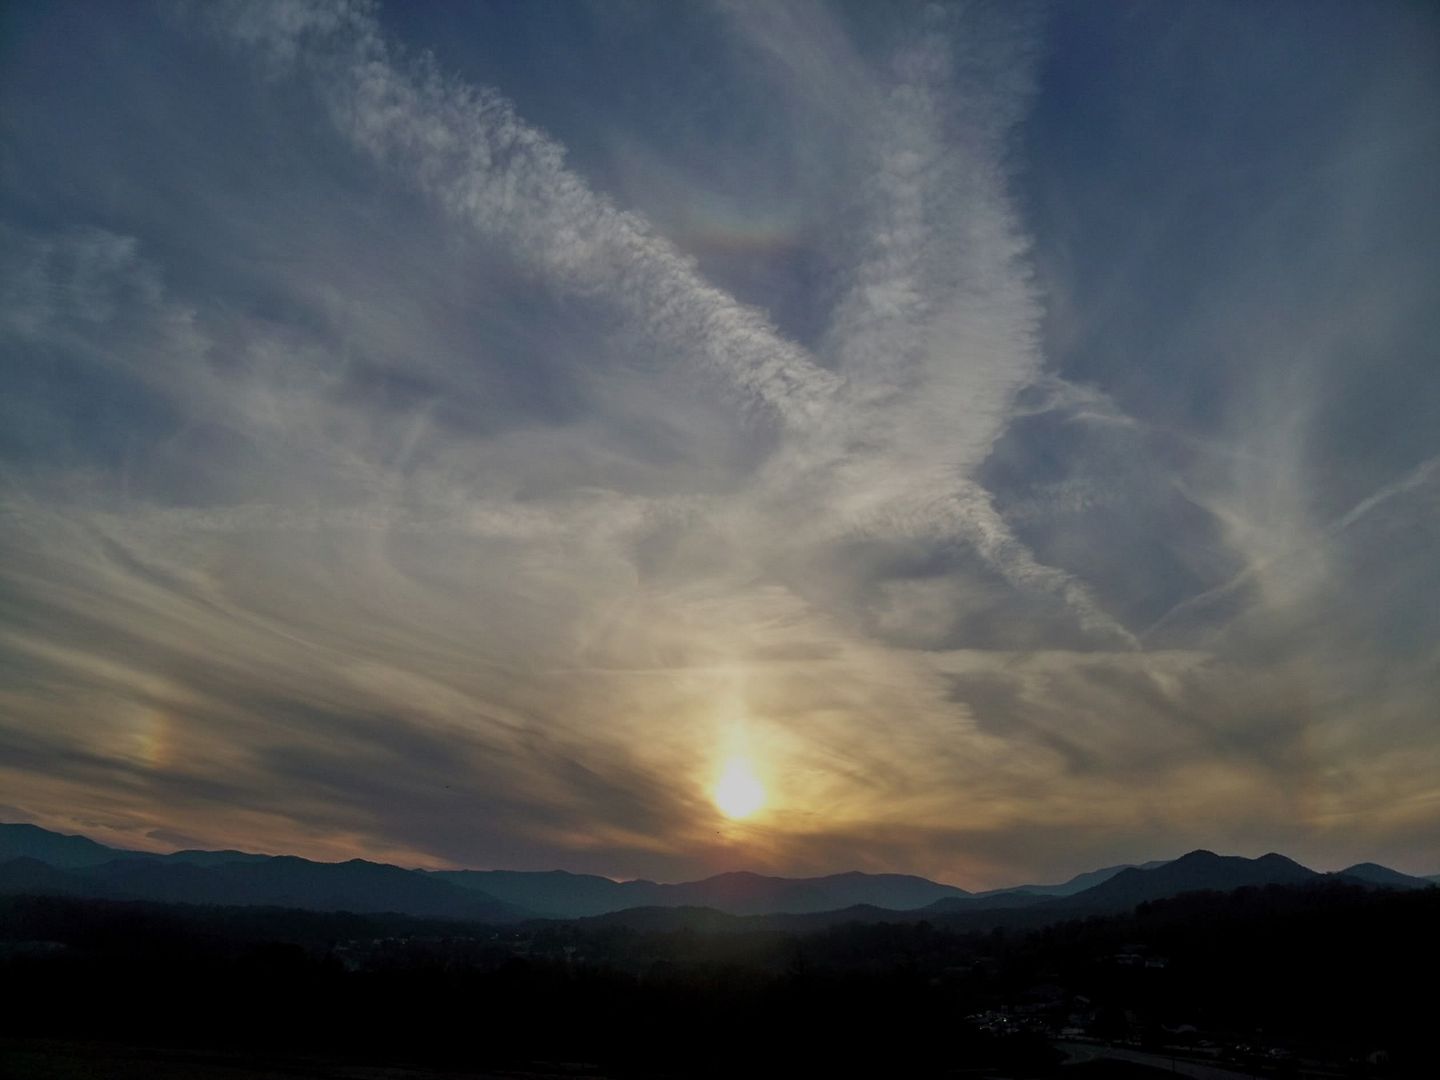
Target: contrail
[
  {"x": 469, "y": 150},
  {"x": 964, "y": 339},
  {"x": 1407, "y": 483}
]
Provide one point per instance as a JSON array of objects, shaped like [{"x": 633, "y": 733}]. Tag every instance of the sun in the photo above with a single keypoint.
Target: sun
[{"x": 738, "y": 792}]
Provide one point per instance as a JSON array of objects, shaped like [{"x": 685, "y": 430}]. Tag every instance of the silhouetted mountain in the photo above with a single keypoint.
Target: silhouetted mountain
[
  {"x": 1120, "y": 890},
  {"x": 358, "y": 886},
  {"x": 1005, "y": 900},
  {"x": 238, "y": 877},
  {"x": 31, "y": 876},
  {"x": 563, "y": 895},
  {"x": 214, "y": 858},
  {"x": 1375, "y": 874},
  {"x": 1197, "y": 871},
  {"x": 279, "y": 881},
  {"x": 52, "y": 848},
  {"x": 142, "y": 879},
  {"x": 743, "y": 893},
  {"x": 1078, "y": 883},
  {"x": 43, "y": 862},
  {"x": 554, "y": 893}
]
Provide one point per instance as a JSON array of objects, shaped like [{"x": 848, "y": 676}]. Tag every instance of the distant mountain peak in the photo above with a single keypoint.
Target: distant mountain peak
[
  {"x": 1197, "y": 871},
  {"x": 1198, "y": 855},
  {"x": 55, "y": 849},
  {"x": 1375, "y": 874}
]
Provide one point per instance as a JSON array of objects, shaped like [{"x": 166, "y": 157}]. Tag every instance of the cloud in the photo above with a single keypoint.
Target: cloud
[
  {"x": 393, "y": 486},
  {"x": 468, "y": 150}
]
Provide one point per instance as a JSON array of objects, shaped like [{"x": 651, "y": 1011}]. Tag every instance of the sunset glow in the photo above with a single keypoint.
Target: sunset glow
[{"x": 739, "y": 793}]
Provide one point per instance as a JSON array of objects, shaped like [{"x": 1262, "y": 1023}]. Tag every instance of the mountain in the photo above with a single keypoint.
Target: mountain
[
  {"x": 275, "y": 881},
  {"x": 1021, "y": 912},
  {"x": 141, "y": 879},
  {"x": 52, "y": 848},
  {"x": 27, "y": 875},
  {"x": 73, "y": 852},
  {"x": 359, "y": 886},
  {"x": 554, "y": 893},
  {"x": 272, "y": 881},
  {"x": 657, "y": 919},
  {"x": 995, "y": 901},
  {"x": 1078, "y": 883},
  {"x": 1375, "y": 874},
  {"x": 562, "y": 895},
  {"x": 237, "y": 877},
  {"x": 1199, "y": 870},
  {"x": 743, "y": 893},
  {"x": 213, "y": 858},
  {"x": 34, "y": 860}
]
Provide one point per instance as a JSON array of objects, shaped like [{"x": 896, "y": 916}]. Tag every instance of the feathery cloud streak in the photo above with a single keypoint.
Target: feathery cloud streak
[{"x": 412, "y": 495}]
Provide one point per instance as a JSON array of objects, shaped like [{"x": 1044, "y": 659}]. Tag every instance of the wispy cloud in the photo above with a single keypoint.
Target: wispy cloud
[{"x": 413, "y": 493}]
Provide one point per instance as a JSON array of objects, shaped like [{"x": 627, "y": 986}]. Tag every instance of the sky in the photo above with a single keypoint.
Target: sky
[{"x": 1002, "y": 439}]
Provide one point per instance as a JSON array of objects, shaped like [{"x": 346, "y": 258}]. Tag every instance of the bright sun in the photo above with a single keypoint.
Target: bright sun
[{"x": 738, "y": 792}]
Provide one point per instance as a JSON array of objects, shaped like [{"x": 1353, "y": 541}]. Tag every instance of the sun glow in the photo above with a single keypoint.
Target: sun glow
[{"x": 738, "y": 792}]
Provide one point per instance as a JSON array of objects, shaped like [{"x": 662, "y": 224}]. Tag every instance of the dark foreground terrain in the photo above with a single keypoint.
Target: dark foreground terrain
[{"x": 1274, "y": 981}]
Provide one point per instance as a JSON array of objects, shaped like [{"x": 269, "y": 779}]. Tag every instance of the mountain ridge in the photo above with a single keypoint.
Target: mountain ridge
[
  {"x": 1198, "y": 870},
  {"x": 36, "y": 860}
]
